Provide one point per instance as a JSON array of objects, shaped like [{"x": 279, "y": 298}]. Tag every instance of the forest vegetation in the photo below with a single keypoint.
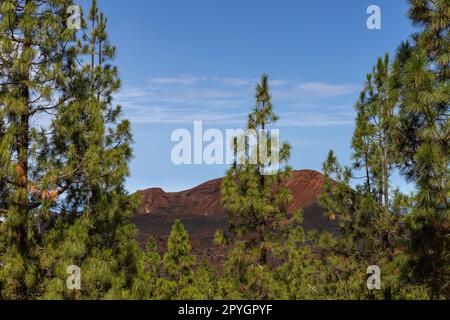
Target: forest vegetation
[{"x": 62, "y": 186}]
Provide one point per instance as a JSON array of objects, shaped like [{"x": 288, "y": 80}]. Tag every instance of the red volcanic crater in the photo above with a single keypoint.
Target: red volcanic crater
[{"x": 202, "y": 214}]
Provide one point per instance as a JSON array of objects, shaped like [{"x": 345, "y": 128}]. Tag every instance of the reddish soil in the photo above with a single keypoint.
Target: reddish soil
[{"x": 201, "y": 211}]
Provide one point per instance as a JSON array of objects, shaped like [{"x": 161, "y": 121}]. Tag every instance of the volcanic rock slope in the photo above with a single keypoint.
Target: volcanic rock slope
[{"x": 202, "y": 214}]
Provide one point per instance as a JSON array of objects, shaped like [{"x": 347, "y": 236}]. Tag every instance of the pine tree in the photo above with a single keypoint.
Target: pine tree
[
  {"x": 178, "y": 262},
  {"x": 422, "y": 76},
  {"x": 368, "y": 212},
  {"x": 402, "y": 122},
  {"x": 256, "y": 202},
  {"x": 374, "y": 145},
  {"x": 150, "y": 272},
  {"x": 299, "y": 275},
  {"x": 203, "y": 285},
  {"x": 35, "y": 55},
  {"x": 90, "y": 131},
  {"x": 374, "y": 134},
  {"x": 369, "y": 234},
  {"x": 65, "y": 200}
]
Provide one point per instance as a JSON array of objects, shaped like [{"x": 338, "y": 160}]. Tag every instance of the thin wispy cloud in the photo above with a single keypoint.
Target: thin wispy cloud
[
  {"x": 158, "y": 115},
  {"x": 227, "y": 100},
  {"x": 314, "y": 119},
  {"x": 191, "y": 80},
  {"x": 312, "y": 90},
  {"x": 182, "y": 80},
  {"x": 328, "y": 90}
]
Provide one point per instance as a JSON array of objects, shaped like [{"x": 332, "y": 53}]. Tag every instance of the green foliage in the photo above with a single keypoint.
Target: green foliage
[
  {"x": 178, "y": 261},
  {"x": 64, "y": 203},
  {"x": 63, "y": 192},
  {"x": 36, "y": 49},
  {"x": 402, "y": 123},
  {"x": 255, "y": 200},
  {"x": 422, "y": 77}
]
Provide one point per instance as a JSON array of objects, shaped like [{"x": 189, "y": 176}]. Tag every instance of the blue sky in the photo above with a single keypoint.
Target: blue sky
[{"x": 199, "y": 60}]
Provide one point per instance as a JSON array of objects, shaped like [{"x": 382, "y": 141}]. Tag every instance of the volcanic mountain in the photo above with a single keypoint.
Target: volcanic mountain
[{"x": 202, "y": 214}]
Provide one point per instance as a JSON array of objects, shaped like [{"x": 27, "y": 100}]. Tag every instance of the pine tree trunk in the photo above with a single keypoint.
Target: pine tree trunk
[
  {"x": 22, "y": 149},
  {"x": 263, "y": 177},
  {"x": 380, "y": 159},
  {"x": 263, "y": 182},
  {"x": 100, "y": 65},
  {"x": 386, "y": 177},
  {"x": 366, "y": 156},
  {"x": 93, "y": 59}
]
